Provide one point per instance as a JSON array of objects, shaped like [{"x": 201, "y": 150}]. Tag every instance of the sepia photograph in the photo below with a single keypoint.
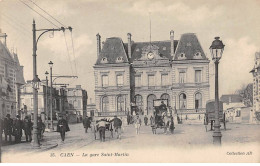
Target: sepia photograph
[{"x": 129, "y": 81}]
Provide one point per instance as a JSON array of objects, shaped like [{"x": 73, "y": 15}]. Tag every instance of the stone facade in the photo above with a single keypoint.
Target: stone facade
[
  {"x": 77, "y": 100},
  {"x": 136, "y": 73},
  {"x": 256, "y": 93},
  {"x": 11, "y": 80}
]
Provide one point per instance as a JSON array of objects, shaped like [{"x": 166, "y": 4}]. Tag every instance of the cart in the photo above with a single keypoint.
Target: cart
[
  {"x": 162, "y": 118},
  {"x": 109, "y": 129}
]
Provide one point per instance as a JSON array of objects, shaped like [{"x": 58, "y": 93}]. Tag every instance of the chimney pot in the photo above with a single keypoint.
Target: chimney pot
[
  {"x": 129, "y": 45},
  {"x": 172, "y": 42},
  {"x": 98, "y": 44}
]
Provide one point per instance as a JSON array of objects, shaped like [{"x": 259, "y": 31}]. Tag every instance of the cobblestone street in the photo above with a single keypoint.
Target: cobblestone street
[{"x": 185, "y": 137}]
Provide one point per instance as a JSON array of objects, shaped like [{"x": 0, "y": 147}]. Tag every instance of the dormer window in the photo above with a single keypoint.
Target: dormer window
[
  {"x": 119, "y": 59},
  {"x": 182, "y": 56},
  {"x": 197, "y": 55},
  {"x": 104, "y": 60}
]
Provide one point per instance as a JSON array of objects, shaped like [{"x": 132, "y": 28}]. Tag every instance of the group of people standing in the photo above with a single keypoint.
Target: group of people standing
[{"x": 14, "y": 127}]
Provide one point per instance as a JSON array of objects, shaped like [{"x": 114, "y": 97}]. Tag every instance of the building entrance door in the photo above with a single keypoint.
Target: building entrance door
[{"x": 150, "y": 100}]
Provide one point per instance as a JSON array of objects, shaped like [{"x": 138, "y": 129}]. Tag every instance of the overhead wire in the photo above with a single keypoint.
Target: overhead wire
[
  {"x": 47, "y": 13},
  {"x": 73, "y": 53},
  {"x": 68, "y": 51},
  {"x": 39, "y": 13}
]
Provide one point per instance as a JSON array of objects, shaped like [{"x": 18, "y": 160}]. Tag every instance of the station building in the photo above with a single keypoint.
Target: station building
[{"x": 134, "y": 74}]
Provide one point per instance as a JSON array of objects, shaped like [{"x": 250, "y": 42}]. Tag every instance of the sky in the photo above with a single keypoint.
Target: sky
[{"x": 236, "y": 22}]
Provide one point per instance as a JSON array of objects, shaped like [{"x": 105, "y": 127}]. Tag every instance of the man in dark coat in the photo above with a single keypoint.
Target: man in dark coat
[
  {"x": 117, "y": 126},
  {"x": 8, "y": 127},
  {"x": 145, "y": 120},
  {"x": 86, "y": 123},
  {"x": 18, "y": 129},
  {"x": 163, "y": 107},
  {"x": 1, "y": 127},
  {"x": 41, "y": 128},
  {"x": 27, "y": 127},
  {"x": 128, "y": 119},
  {"x": 62, "y": 127}
]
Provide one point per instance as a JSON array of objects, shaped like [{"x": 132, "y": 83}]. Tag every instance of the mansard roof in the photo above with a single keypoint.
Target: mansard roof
[
  {"x": 112, "y": 50},
  {"x": 5, "y": 53},
  {"x": 189, "y": 46},
  {"x": 164, "y": 48}
]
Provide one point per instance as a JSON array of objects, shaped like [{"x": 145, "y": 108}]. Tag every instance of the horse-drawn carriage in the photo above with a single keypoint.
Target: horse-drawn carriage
[
  {"x": 210, "y": 114},
  {"x": 162, "y": 118}
]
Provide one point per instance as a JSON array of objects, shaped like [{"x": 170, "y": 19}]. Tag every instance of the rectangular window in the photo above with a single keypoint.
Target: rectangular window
[
  {"x": 182, "y": 77},
  {"x": 104, "y": 81},
  {"x": 138, "y": 80},
  {"x": 197, "y": 76},
  {"x": 6, "y": 71},
  {"x": 151, "y": 80},
  {"x": 119, "y": 80},
  {"x": 79, "y": 104},
  {"x": 164, "y": 79}
]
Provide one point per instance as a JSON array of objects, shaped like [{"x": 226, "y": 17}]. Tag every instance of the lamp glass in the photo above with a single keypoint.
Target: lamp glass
[{"x": 50, "y": 64}]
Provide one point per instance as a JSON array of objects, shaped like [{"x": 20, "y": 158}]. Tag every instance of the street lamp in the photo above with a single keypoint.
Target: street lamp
[
  {"x": 51, "y": 65},
  {"x": 36, "y": 143},
  {"x": 36, "y": 85},
  {"x": 46, "y": 102},
  {"x": 216, "y": 50}
]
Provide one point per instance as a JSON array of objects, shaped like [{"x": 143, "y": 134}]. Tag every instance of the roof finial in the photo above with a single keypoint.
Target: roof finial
[{"x": 150, "y": 28}]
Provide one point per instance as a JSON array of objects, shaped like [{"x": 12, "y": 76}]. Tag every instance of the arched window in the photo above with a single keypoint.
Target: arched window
[
  {"x": 198, "y": 100},
  {"x": 105, "y": 103},
  {"x": 120, "y": 103},
  {"x": 138, "y": 100},
  {"x": 150, "y": 100},
  {"x": 166, "y": 96},
  {"x": 182, "y": 101}
]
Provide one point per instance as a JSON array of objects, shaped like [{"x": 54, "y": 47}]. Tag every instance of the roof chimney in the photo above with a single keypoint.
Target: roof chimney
[
  {"x": 129, "y": 45},
  {"x": 98, "y": 44},
  {"x": 172, "y": 42},
  {"x": 4, "y": 36}
]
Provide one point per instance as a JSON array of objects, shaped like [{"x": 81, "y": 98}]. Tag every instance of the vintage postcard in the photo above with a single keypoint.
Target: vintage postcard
[{"x": 133, "y": 81}]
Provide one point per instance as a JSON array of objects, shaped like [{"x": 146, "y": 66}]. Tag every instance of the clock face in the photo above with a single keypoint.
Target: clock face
[{"x": 150, "y": 55}]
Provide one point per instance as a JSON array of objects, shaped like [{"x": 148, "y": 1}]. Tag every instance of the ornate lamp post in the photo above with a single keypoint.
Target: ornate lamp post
[
  {"x": 216, "y": 50},
  {"x": 36, "y": 84},
  {"x": 46, "y": 98},
  {"x": 36, "y": 142},
  {"x": 51, "y": 65}
]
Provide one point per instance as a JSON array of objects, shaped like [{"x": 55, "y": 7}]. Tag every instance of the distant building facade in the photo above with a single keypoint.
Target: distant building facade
[
  {"x": 77, "y": 100},
  {"x": 11, "y": 80},
  {"x": 256, "y": 86},
  {"x": 136, "y": 73},
  {"x": 59, "y": 101}
]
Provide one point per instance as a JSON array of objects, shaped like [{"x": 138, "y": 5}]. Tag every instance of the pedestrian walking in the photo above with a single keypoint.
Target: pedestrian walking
[
  {"x": 62, "y": 128},
  {"x": 27, "y": 127},
  {"x": 171, "y": 126},
  {"x": 1, "y": 128},
  {"x": 41, "y": 128},
  {"x": 101, "y": 126},
  {"x": 18, "y": 129},
  {"x": 145, "y": 120},
  {"x": 153, "y": 125},
  {"x": 128, "y": 119},
  {"x": 86, "y": 123},
  {"x": 8, "y": 127},
  {"x": 117, "y": 126},
  {"x": 138, "y": 123}
]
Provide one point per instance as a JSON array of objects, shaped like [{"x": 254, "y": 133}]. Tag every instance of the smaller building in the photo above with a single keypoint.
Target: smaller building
[
  {"x": 77, "y": 101},
  {"x": 231, "y": 100}
]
